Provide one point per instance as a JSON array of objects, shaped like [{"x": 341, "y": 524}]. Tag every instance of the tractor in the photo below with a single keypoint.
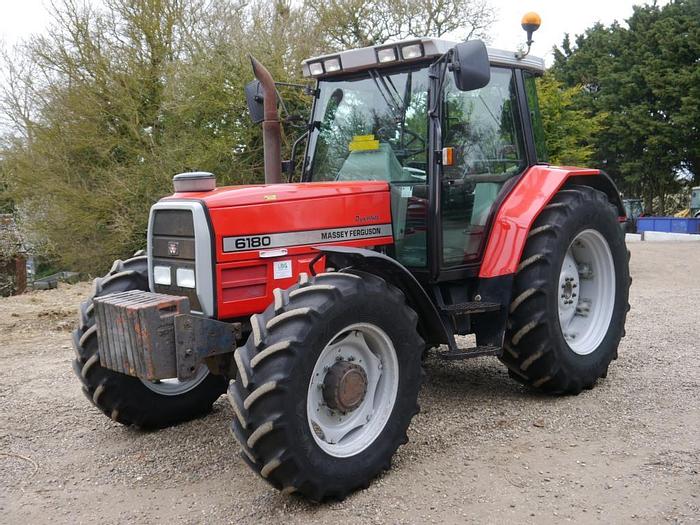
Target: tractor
[
  {"x": 634, "y": 209},
  {"x": 695, "y": 202},
  {"x": 425, "y": 210}
]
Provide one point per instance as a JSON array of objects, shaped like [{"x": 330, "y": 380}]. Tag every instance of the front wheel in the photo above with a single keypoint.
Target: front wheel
[
  {"x": 126, "y": 399},
  {"x": 327, "y": 384},
  {"x": 570, "y": 295}
]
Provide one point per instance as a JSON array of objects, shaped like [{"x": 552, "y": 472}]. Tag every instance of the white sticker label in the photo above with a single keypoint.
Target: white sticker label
[
  {"x": 282, "y": 269},
  {"x": 406, "y": 191}
]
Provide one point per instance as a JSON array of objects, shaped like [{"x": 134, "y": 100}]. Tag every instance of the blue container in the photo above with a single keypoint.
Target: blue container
[{"x": 668, "y": 225}]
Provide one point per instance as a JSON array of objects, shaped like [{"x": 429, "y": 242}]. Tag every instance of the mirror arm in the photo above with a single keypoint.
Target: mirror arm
[
  {"x": 438, "y": 70},
  {"x": 289, "y": 165},
  {"x": 308, "y": 90}
]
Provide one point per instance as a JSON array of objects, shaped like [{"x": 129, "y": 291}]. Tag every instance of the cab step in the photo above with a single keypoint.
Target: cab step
[
  {"x": 474, "y": 307},
  {"x": 468, "y": 353}
]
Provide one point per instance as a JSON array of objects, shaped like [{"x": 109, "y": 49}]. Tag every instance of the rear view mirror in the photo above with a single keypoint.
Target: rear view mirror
[
  {"x": 254, "y": 97},
  {"x": 470, "y": 65}
]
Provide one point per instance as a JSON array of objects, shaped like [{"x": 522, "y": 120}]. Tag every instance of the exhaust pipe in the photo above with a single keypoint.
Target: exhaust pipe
[{"x": 272, "y": 135}]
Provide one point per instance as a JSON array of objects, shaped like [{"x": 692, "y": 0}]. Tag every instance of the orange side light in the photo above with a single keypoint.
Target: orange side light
[{"x": 448, "y": 156}]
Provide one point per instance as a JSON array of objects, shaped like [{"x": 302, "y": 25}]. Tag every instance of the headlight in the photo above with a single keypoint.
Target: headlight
[
  {"x": 161, "y": 275},
  {"x": 388, "y": 54},
  {"x": 185, "y": 278},
  {"x": 412, "y": 51},
  {"x": 316, "y": 68},
  {"x": 332, "y": 65}
]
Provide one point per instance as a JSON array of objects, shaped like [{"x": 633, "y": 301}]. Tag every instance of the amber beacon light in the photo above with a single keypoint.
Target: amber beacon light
[{"x": 530, "y": 23}]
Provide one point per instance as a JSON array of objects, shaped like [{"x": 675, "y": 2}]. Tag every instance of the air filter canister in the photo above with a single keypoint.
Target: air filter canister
[{"x": 194, "y": 181}]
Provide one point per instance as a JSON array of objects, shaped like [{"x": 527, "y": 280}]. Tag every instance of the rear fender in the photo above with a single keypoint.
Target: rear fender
[
  {"x": 603, "y": 183},
  {"x": 523, "y": 205},
  {"x": 430, "y": 325}
]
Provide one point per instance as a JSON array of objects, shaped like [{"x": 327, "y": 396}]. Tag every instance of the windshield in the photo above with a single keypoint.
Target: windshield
[{"x": 373, "y": 127}]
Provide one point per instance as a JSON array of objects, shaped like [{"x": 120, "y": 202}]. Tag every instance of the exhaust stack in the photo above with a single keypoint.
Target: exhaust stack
[{"x": 272, "y": 135}]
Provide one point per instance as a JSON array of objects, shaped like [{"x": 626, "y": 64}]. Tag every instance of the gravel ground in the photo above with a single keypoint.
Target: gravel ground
[{"x": 483, "y": 448}]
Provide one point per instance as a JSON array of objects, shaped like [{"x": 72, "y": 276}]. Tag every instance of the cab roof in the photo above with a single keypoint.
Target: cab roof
[{"x": 420, "y": 49}]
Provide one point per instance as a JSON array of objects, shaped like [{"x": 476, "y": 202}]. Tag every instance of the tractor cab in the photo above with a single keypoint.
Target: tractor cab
[{"x": 396, "y": 114}]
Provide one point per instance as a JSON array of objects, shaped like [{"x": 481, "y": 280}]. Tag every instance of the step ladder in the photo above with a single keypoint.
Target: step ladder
[
  {"x": 469, "y": 308},
  {"x": 468, "y": 353}
]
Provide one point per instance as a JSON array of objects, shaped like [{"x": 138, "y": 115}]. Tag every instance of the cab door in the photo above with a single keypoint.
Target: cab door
[{"x": 484, "y": 129}]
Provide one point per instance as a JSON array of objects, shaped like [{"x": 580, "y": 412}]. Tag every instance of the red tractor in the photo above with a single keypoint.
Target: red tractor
[{"x": 424, "y": 212}]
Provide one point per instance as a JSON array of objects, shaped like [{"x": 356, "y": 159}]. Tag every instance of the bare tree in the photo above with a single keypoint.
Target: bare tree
[
  {"x": 353, "y": 23},
  {"x": 119, "y": 95},
  {"x": 18, "y": 98}
]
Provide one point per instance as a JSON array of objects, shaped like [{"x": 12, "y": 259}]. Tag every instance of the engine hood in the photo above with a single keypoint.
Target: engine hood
[
  {"x": 260, "y": 194},
  {"x": 257, "y": 238}
]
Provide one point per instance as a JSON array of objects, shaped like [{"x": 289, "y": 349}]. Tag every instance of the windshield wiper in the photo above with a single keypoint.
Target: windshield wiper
[{"x": 393, "y": 100}]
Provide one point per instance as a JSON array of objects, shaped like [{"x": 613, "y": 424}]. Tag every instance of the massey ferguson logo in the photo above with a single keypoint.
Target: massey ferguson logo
[{"x": 173, "y": 248}]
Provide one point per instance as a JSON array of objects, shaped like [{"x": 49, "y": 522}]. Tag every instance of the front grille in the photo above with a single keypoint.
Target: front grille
[
  {"x": 173, "y": 245},
  {"x": 176, "y": 223}
]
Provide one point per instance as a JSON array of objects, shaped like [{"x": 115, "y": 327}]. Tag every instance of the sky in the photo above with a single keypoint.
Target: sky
[
  {"x": 558, "y": 18},
  {"x": 19, "y": 19}
]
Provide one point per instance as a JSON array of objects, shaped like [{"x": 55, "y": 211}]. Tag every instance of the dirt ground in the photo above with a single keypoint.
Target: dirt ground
[{"x": 483, "y": 449}]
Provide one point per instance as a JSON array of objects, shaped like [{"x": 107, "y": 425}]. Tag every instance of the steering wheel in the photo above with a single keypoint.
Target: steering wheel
[
  {"x": 414, "y": 137},
  {"x": 385, "y": 134}
]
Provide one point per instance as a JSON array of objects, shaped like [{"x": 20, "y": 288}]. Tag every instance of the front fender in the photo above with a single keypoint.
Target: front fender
[{"x": 430, "y": 324}]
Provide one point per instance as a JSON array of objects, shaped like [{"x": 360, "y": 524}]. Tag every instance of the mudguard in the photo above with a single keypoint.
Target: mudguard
[
  {"x": 523, "y": 205},
  {"x": 430, "y": 325}
]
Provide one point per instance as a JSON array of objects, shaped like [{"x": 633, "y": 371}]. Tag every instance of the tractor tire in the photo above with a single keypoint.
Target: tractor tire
[
  {"x": 126, "y": 399},
  {"x": 301, "y": 351},
  {"x": 570, "y": 295}
]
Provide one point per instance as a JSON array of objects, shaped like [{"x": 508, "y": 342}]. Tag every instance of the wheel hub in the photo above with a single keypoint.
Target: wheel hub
[
  {"x": 568, "y": 290},
  {"x": 352, "y": 390},
  {"x": 586, "y": 292},
  {"x": 345, "y": 386}
]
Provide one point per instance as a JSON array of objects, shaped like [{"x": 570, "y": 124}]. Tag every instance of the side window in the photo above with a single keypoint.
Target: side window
[
  {"x": 484, "y": 130},
  {"x": 536, "y": 117}
]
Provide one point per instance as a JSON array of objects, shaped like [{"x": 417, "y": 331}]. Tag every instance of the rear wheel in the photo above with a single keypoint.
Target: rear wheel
[
  {"x": 327, "y": 384},
  {"x": 570, "y": 295},
  {"x": 126, "y": 399}
]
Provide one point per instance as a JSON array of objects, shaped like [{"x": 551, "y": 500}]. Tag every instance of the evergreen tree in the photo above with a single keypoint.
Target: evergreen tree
[{"x": 644, "y": 80}]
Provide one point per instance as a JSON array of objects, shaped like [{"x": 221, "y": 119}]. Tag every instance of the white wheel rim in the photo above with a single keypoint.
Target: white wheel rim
[
  {"x": 586, "y": 293},
  {"x": 347, "y": 434},
  {"x": 175, "y": 387}
]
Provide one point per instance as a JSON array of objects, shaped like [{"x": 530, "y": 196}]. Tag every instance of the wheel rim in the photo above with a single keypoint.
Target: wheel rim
[
  {"x": 586, "y": 292},
  {"x": 175, "y": 387},
  {"x": 343, "y": 433}
]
